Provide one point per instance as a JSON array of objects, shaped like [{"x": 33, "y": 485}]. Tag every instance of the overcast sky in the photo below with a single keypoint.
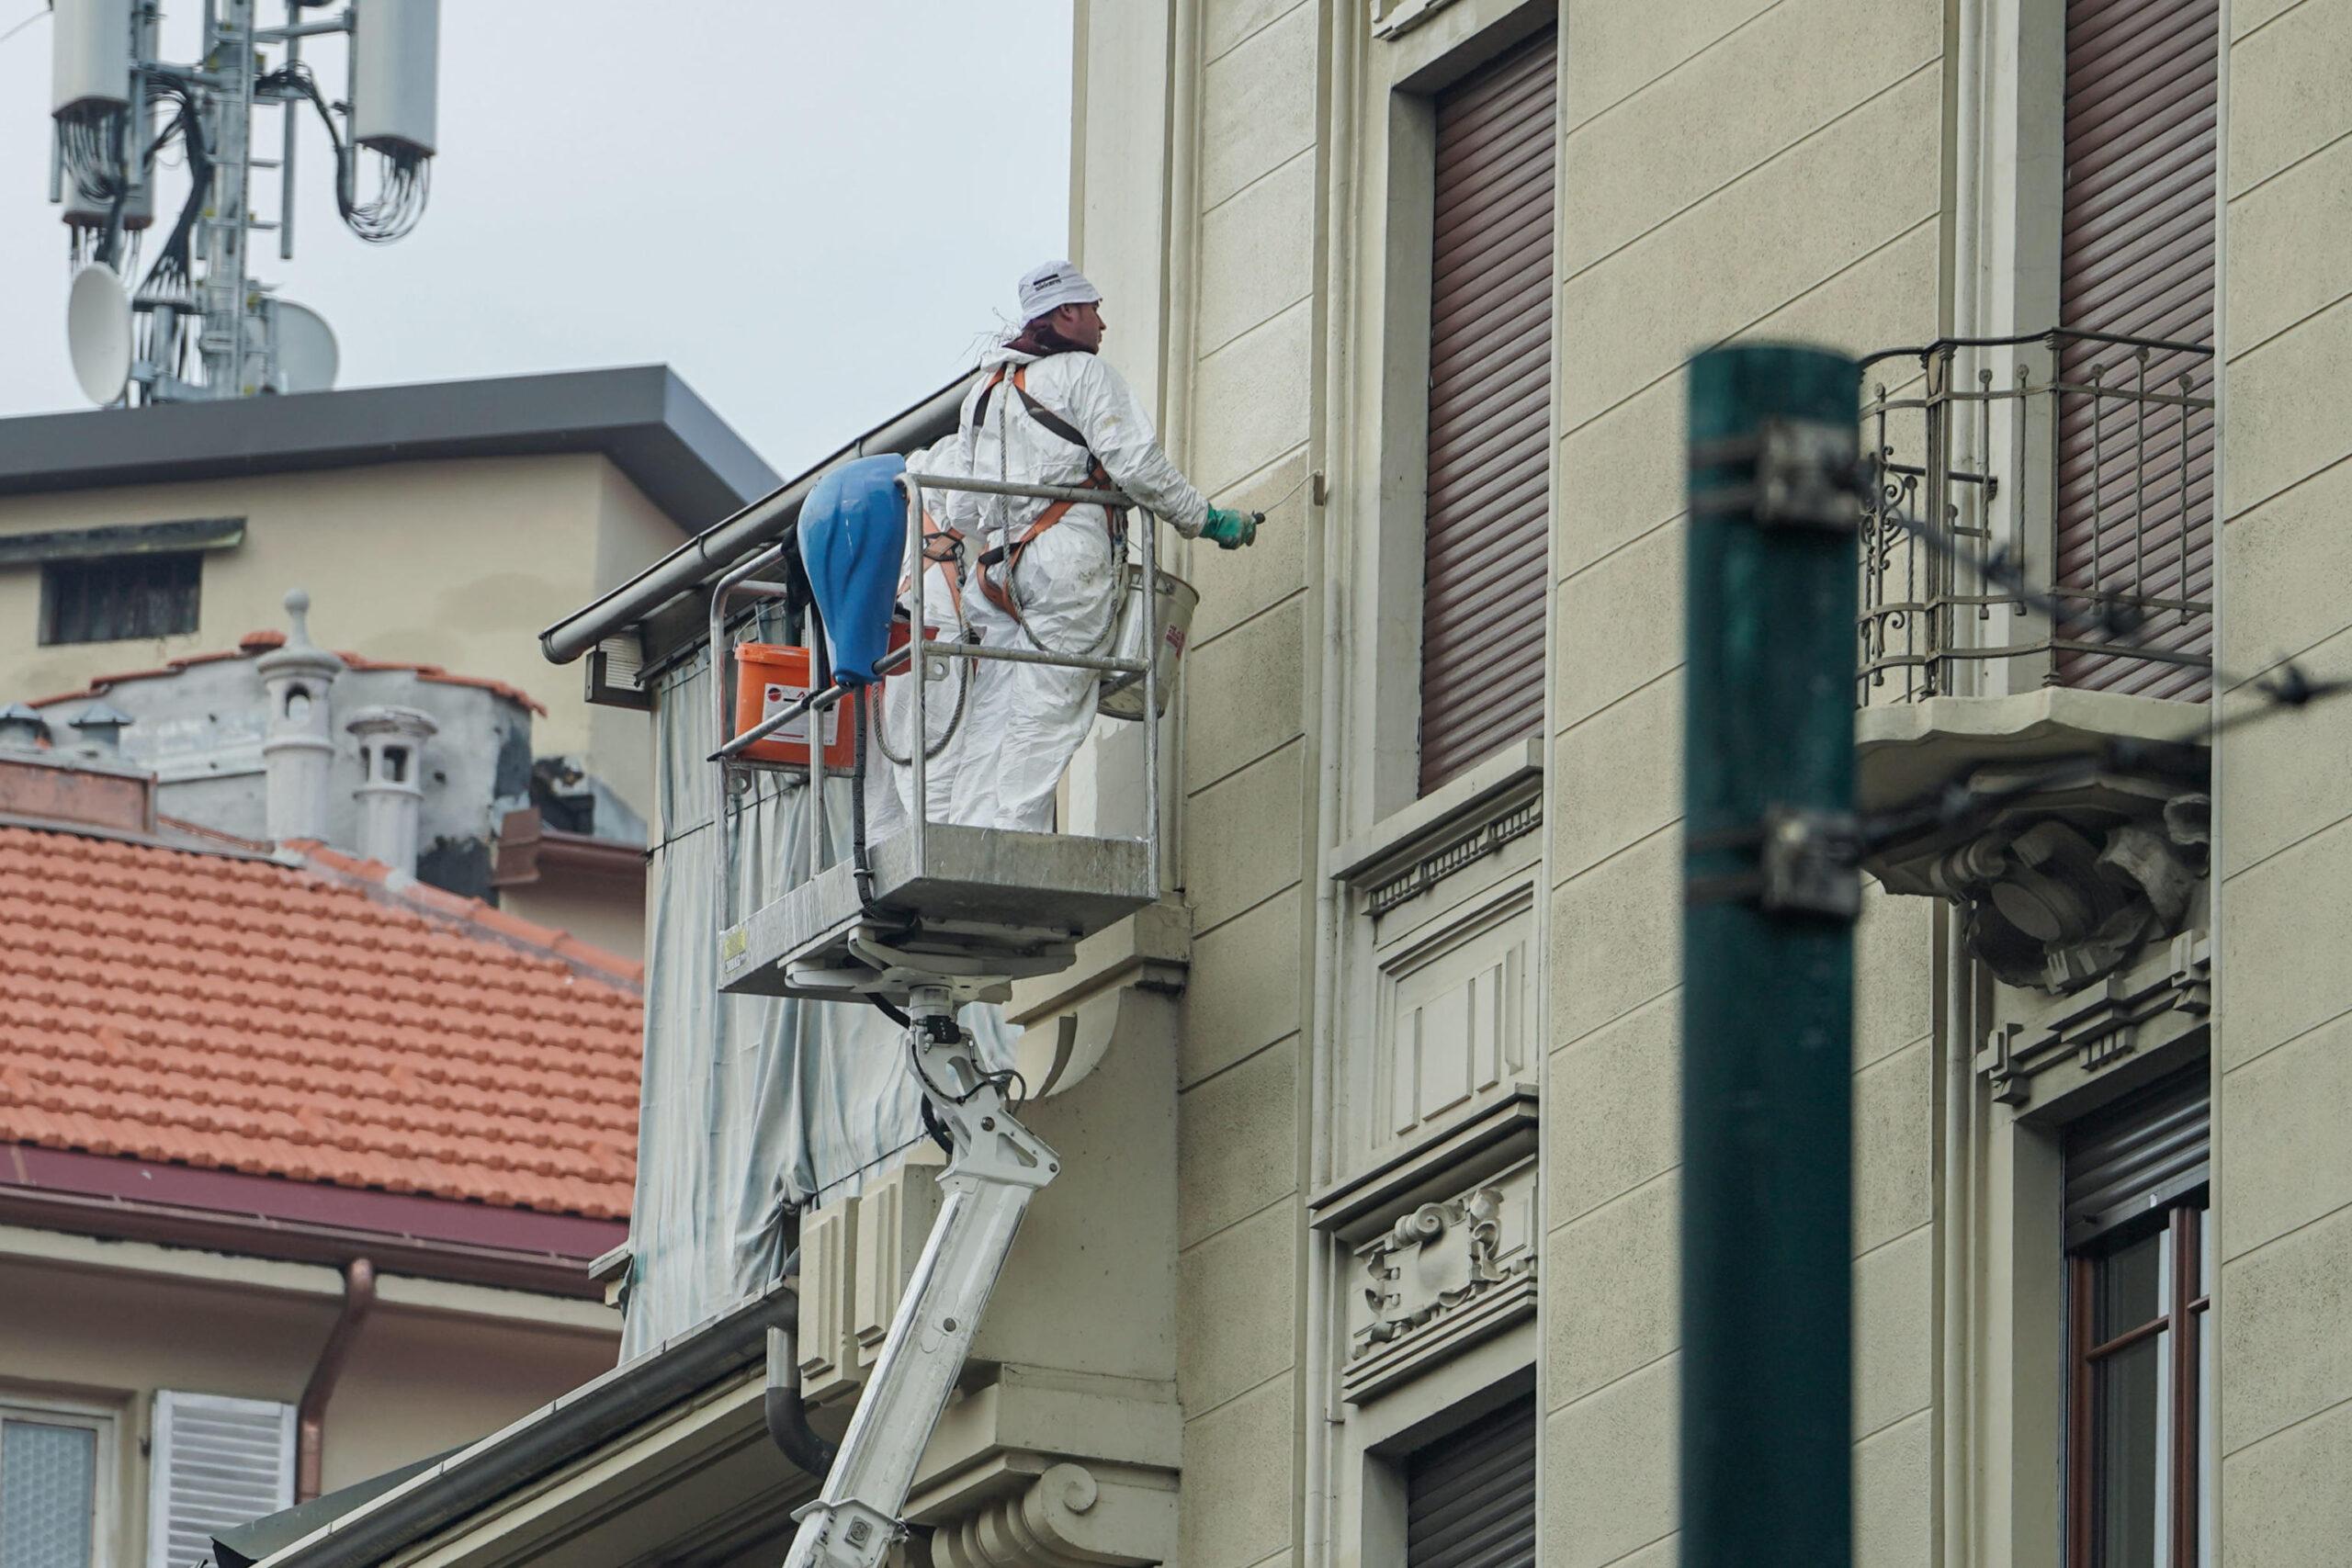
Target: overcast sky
[{"x": 810, "y": 209}]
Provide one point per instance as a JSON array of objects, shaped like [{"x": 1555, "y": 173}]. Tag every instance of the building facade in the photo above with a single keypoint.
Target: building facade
[
  {"x": 1435, "y": 936},
  {"x": 1388, "y": 1086}
]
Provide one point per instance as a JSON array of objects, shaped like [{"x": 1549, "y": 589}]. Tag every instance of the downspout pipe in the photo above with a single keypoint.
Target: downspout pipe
[
  {"x": 311, "y": 1415},
  {"x": 788, "y": 1417}
]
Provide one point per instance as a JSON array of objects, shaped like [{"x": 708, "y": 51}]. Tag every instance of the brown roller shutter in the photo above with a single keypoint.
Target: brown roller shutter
[
  {"x": 1490, "y": 377},
  {"x": 1470, "y": 1498},
  {"x": 2131, "y": 1160},
  {"x": 2135, "y": 481}
]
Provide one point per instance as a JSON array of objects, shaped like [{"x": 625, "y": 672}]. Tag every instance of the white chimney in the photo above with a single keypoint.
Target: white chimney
[
  {"x": 391, "y": 797},
  {"x": 297, "y": 752}
]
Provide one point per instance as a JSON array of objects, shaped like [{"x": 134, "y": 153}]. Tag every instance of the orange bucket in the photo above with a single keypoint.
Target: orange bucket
[{"x": 769, "y": 676}]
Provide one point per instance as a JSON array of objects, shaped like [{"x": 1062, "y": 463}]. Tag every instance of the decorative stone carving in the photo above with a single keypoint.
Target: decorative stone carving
[
  {"x": 1443, "y": 1277},
  {"x": 1068, "y": 1518},
  {"x": 2164, "y": 997},
  {"x": 2068, "y": 886},
  {"x": 1437, "y": 1256},
  {"x": 1390, "y": 17}
]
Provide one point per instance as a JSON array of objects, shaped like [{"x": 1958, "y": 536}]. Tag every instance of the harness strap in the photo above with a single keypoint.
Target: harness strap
[
  {"x": 995, "y": 587},
  {"x": 943, "y": 547}
]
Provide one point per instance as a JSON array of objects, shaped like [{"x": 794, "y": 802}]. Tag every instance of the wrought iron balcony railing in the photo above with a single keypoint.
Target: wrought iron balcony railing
[{"x": 2081, "y": 460}]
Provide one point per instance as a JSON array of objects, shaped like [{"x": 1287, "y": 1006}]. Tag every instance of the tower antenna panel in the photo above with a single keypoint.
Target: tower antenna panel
[
  {"x": 395, "y": 49},
  {"x": 90, "y": 50}
]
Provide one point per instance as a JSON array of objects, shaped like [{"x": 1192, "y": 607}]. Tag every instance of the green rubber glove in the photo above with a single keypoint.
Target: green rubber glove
[{"x": 1231, "y": 530}]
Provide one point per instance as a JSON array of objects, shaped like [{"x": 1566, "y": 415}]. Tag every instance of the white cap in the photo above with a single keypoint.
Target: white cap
[{"x": 1047, "y": 288}]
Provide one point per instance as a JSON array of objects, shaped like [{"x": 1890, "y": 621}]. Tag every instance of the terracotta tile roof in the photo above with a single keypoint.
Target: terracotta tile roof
[
  {"x": 309, "y": 1021},
  {"x": 259, "y": 642}
]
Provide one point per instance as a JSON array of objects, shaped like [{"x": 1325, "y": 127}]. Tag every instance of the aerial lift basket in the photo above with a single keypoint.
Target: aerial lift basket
[
  {"x": 931, "y": 917},
  {"x": 933, "y": 903}
]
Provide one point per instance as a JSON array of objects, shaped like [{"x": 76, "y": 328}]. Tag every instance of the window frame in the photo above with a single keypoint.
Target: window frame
[
  {"x": 106, "y": 1423},
  {"x": 1381, "y": 395},
  {"x": 1389, "y": 1431},
  {"x": 2186, "y": 1305},
  {"x": 1430, "y": 154},
  {"x": 52, "y": 576}
]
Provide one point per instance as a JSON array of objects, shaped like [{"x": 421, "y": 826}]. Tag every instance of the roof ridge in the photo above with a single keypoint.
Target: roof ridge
[
  {"x": 257, "y": 642},
  {"x": 479, "y": 918}
]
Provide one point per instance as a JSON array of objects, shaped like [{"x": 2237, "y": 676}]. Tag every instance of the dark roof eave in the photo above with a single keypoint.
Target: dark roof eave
[
  {"x": 651, "y": 426},
  {"x": 556, "y": 1435}
]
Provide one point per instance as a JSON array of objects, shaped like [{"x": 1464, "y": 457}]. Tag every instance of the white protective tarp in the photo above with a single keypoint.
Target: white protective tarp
[{"x": 752, "y": 1106}]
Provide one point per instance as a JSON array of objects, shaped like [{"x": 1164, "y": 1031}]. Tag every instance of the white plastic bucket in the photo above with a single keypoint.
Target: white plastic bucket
[{"x": 1122, "y": 696}]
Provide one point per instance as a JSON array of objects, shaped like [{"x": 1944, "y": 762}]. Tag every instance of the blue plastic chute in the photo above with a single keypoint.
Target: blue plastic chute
[{"x": 854, "y": 545}]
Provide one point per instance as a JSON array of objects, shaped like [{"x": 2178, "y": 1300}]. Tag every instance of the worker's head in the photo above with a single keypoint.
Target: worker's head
[{"x": 1058, "y": 305}]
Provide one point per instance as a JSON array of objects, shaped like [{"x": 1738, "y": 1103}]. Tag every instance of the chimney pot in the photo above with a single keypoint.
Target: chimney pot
[
  {"x": 101, "y": 725},
  {"x": 391, "y": 794},
  {"x": 297, "y": 750},
  {"x": 22, "y": 727}
]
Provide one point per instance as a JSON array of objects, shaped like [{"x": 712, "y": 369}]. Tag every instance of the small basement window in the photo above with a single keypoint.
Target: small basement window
[{"x": 120, "y": 598}]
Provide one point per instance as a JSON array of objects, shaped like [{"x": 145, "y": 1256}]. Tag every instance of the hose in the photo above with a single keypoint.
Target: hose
[
  {"x": 881, "y": 720},
  {"x": 861, "y": 864}
]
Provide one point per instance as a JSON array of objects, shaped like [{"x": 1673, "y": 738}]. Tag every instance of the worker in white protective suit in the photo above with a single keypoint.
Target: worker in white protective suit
[
  {"x": 947, "y": 701},
  {"x": 1044, "y": 575}
]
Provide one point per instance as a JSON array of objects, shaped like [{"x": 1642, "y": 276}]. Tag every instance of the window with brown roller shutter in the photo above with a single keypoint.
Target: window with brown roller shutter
[
  {"x": 2135, "y": 475},
  {"x": 1489, "y": 421}
]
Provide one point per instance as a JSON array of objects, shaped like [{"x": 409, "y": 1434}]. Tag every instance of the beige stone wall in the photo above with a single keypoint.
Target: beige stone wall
[
  {"x": 1814, "y": 214},
  {"x": 1240, "y": 399},
  {"x": 602, "y": 911},
  {"x": 107, "y": 1324},
  {"x": 2283, "y": 1052},
  {"x": 1818, "y": 210},
  {"x": 454, "y": 563},
  {"x": 1811, "y": 212}
]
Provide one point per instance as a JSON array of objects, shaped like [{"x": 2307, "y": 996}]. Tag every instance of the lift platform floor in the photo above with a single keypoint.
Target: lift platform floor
[{"x": 985, "y": 903}]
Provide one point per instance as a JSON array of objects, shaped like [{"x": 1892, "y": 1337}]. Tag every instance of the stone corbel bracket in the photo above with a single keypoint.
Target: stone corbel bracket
[
  {"x": 2062, "y": 887},
  {"x": 1070, "y": 1018},
  {"x": 1068, "y": 1515}
]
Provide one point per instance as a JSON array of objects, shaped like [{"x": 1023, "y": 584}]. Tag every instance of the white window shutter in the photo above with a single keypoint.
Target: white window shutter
[{"x": 216, "y": 1463}]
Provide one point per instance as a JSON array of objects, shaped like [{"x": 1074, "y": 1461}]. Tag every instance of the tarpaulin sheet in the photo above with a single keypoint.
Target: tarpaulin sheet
[{"x": 752, "y": 1106}]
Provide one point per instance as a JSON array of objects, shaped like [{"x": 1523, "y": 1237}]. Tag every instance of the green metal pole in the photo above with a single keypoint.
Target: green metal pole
[{"x": 1768, "y": 962}]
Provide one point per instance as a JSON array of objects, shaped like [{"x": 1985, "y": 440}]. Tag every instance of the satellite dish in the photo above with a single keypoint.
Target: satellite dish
[
  {"x": 97, "y": 332},
  {"x": 307, "y": 355}
]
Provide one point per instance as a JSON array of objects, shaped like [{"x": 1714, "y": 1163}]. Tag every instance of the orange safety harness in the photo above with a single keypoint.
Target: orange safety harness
[{"x": 993, "y": 585}]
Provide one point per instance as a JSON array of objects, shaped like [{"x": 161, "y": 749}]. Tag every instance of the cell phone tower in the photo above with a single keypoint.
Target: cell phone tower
[{"x": 198, "y": 325}]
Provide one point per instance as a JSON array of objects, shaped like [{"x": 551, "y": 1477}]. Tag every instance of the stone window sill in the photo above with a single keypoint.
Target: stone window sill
[{"x": 1498, "y": 800}]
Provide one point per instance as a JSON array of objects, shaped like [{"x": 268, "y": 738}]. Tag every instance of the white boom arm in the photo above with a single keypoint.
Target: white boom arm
[{"x": 996, "y": 1166}]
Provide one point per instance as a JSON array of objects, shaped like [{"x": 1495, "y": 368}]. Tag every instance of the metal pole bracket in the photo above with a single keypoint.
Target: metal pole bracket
[
  {"x": 1807, "y": 862},
  {"x": 1797, "y": 474}
]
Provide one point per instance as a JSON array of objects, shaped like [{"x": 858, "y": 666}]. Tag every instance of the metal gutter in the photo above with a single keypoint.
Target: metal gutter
[
  {"x": 548, "y": 1440},
  {"x": 263, "y": 1216},
  {"x": 719, "y": 547}
]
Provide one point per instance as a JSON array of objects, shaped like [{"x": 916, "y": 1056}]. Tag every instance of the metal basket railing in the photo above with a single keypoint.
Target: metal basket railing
[
  {"x": 2078, "y": 461},
  {"x": 732, "y": 761}
]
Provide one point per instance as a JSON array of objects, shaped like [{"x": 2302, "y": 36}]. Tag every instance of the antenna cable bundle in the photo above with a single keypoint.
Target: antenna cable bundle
[{"x": 199, "y": 325}]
